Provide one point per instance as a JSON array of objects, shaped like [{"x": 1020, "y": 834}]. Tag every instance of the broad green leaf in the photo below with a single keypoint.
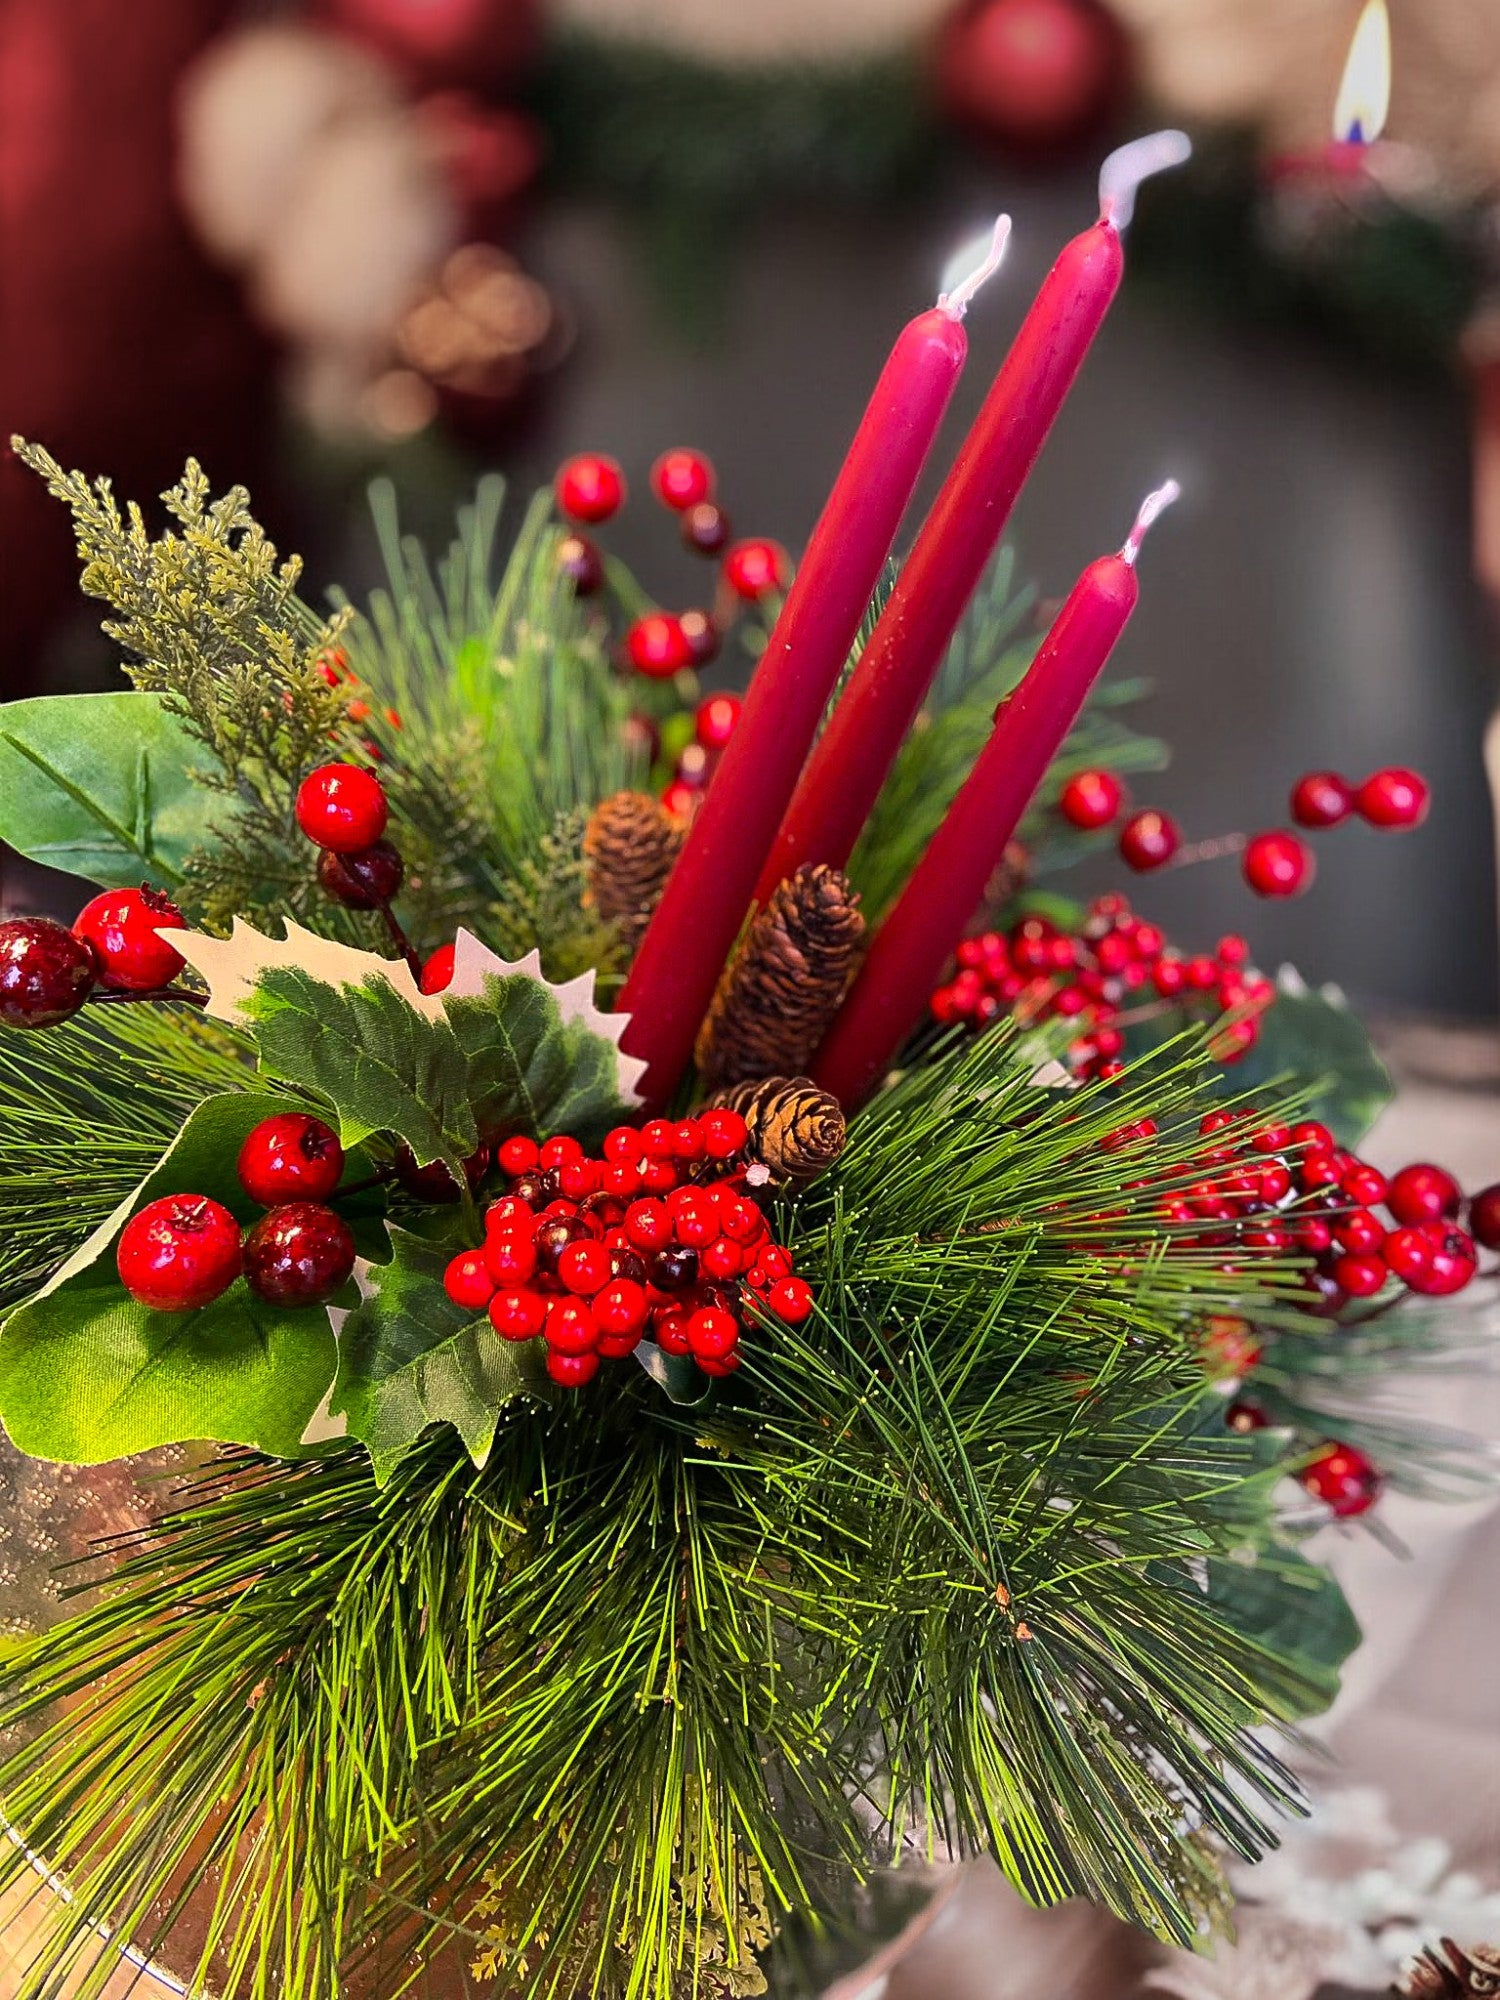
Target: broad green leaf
[
  {"x": 1293, "y": 1608},
  {"x": 88, "y": 1374},
  {"x": 101, "y": 785},
  {"x": 528, "y": 1069},
  {"x": 677, "y": 1375},
  {"x": 409, "y": 1358},
  {"x": 1316, "y": 1037}
]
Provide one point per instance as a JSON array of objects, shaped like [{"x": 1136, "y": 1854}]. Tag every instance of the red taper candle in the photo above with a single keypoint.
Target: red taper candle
[
  {"x": 917, "y": 938},
  {"x": 703, "y": 906},
  {"x": 855, "y": 752}
]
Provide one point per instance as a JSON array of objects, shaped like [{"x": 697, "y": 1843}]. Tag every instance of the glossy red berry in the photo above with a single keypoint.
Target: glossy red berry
[
  {"x": 510, "y": 1257},
  {"x": 1277, "y": 864},
  {"x": 518, "y": 1314},
  {"x": 1454, "y": 1261},
  {"x": 716, "y": 719},
  {"x": 179, "y": 1253},
  {"x": 467, "y": 1281},
  {"x": 46, "y": 973},
  {"x": 1361, "y": 1275},
  {"x": 589, "y": 487},
  {"x": 657, "y": 646},
  {"x": 1484, "y": 1216},
  {"x": 121, "y": 926},
  {"x": 364, "y": 881},
  {"x": 292, "y": 1157},
  {"x": 1322, "y": 798},
  {"x": 1423, "y": 1193},
  {"x": 648, "y": 1224},
  {"x": 580, "y": 562},
  {"x": 1393, "y": 798},
  {"x": 1360, "y": 1231},
  {"x": 571, "y": 1327},
  {"x": 437, "y": 973},
  {"x": 712, "y": 1333},
  {"x": 725, "y": 1133},
  {"x": 572, "y": 1371},
  {"x": 557, "y": 1151},
  {"x": 682, "y": 478},
  {"x": 755, "y": 569},
  {"x": 1344, "y": 1479},
  {"x": 342, "y": 807},
  {"x": 1148, "y": 840},
  {"x": 621, "y": 1308},
  {"x": 585, "y": 1268},
  {"x": 669, "y": 1329},
  {"x": 298, "y": 1255},
  {"x": 1245, "y": 1417},
  {"x": 1408, "y": 1253},
  {"x": 1365, "y": 1184},
  {"x": 1091, "y": 799},
  {"x": 791, "y": 1299},
  {"x": 705, "y": 528},
  {"x": 518, "y": 1155}
]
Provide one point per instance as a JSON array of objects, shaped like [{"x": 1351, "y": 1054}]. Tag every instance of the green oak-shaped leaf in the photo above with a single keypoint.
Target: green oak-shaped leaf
[
  {"x": 101, "y": 785},
  {"x": 409, "y": 1358},
  {"x": 88, "y": 1374},
  {"x": 530, "y": 1071},
  {"x": 1294, "y": 1609},
  {"x": 1314, "y": 1036}
]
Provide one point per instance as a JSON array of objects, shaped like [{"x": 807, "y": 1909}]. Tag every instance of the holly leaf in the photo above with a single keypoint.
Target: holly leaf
[
  {"x": 88, "y": 1374},
  {"x": 528, "y": 1069},
  {"x": 1292, "y": 1608},
  {"x": 1309, "y": 1036},
  {"x": 102, "y": 786},
  {"x": 410, "y": 1358}
]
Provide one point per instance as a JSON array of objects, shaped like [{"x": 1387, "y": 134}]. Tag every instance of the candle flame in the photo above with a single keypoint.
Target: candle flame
[
  {"x": 990, "y": 250},
  {"x": 1154, "y": 505},
  {"x": 1365, "y": 93},
  {"x": 1126, "y": 167}
]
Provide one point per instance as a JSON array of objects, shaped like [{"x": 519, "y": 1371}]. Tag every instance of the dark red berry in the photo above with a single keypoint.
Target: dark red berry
[
  {"x": 674, "y": 1269},
  {"x": 1322, "y": 798},
  {"x": 757, "y": 568},
  {"x": 589, "y": 487},
  {"x": 46, "y": 973},
  {"x": 292, "y": 1157},
  {"x": 1277, "y": 864},
  {"x": 705, "y": 528},
  {"x": 437, "y": 973},
  {"x": 433, "y": 1182},
  {"x": 581, "y": 563},
  {"x": 657, "y": 646},
  {"x": 1091, "y": 799},
  {"x": 1245, "y": 1417},
  {"x": 682, "y": 478},
  {"x": 342, "y": 807},
  {"x": 702, "y": 637},
  {"x": 1344, "y": 1479},
  {"x": 552, "y": 1236},
  {"x": 179, "y": 1253},
  {"x": 1423, "y": 1193},
  {"x": 363, "y": 881},
  {"x": 121, "y": 926},
  {"x": 1484, "y": 1216},
  {"x": 1148, "y": 840},
  {"x": 1393, "y": 798},
  {"x": 298, "y": 1255}
]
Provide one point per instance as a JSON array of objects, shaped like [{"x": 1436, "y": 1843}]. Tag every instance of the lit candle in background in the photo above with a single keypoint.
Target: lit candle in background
[
  {"x": 847, "y": 769},
  {"x": 1364, "y": 98},
  {"x": 703, "y": 906},
  {"x": 918, "y": 937},
  {"x": 1354, "y": 161}
]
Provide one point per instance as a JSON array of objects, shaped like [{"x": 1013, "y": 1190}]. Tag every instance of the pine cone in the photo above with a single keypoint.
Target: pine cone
[
  {"x": 775, "y": 1001},
  {"x": 796, "y": 1129},
  {"x": 1446, "y": 1972},
  {"x": 629, "y": 846}
]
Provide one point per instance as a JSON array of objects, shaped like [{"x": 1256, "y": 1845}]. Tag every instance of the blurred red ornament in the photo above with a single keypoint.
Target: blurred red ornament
[
  {"x": 1039, "y": 77},
  {"x": 488, "y": 157},
  {"x": 478, "y": 43}
]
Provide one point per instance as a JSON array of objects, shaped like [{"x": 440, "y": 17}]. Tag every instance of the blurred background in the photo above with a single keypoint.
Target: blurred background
[{"x": 421, "y": 238}]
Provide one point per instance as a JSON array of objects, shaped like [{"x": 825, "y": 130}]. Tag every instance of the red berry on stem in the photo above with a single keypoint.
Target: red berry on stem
[
  {"x": 1277, "y": 864},
  {"x": 621, "y": 1307},
  {"x": 46, "y": 973},
  {"x": 589, "y": 487},
  {"x": 572, "y": 1371},
  {"x": 342, "y": 807},
  {"x": 179, "y": 1253},
  {"x": 682, "y": 478},
  {"x": 1454, "y": 1261},
  {"x": 792, "y": 1300},
  {"x": 1148, "y": 840},
  {"x": 467, "y": 1281},
  {"x": 121, "y": 926},
  {"x": 518, "y": 1314},
  {"x": 437, "y": 973},
  {"x": 725, "y": 1133},
  {"x": 657, "y": 646},
  {"x": 366, "y": 880},
  {"x": 1484, "y": 1216},
  {"x": 571, "y": 1327},
  {"x": 292, "y": 1157},
  {"x": 518, "y": 1155},
  {"x": 1360, "y": 1274},
  {"x": 585, "y": 1268},
  {"x": 755, "y": 569},
  {"x": 510, "y": 1258},
  {"x": 705, "y": 528},
  {"x": 1322, "y": 798},
  {"x": 1091, "y": 799},
  {"x": 1423, "y": 1193},
  {"x": 716, "y": 719},
  {"x": 298, "y": 1255},
  {"x": 712, "y": 1333},
  {"x": 1344, "y": 1479},
  {"x": 1408, "y": 1253},
  {"x": 1393, "y": 798}
]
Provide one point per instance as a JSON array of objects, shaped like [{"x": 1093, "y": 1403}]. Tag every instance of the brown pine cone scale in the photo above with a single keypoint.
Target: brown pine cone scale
[
  {"x": 796, "y": 1129},
  {"x": 629, "y": 847},
  {"x": 1447, "y": 1972}
]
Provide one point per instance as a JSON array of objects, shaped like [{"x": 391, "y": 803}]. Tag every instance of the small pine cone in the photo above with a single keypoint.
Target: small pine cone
[
  {"x": 796, "y": 1129},
  {"x": 776, "y": 999},
  {"x": 629, "y": 846},
  {"x": 1446, "y": 1972}
]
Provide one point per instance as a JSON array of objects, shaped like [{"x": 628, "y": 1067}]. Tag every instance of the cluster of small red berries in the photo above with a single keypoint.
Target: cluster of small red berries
[
  {"x": 343, "y": 810},
  {"x": 661, "y": 1234},
  {"x": 1275, "y": 863},
  {"x": 334, "y": 668},
  {"x": 714, "y": 723},
  {"x": 182, "y": 1251},
  {"x": 48, "y": 971},
  {"x": 1096, "y": 976}
]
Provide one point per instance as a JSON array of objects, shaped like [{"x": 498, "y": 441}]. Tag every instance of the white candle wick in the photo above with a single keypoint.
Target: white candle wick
[
  {"x": 955, "y": 303},
  {"x": 1125, "y": 169},
  {"x": 1154, "y": 505}
]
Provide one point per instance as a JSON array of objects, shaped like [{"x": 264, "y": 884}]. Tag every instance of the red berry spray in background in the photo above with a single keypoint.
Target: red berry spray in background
[
  {"x": 589, "y": 487},
  {"x": 1278, "y": 864},
  {"x": 682, "y": 478},
  {"x": 1322, "y": 798},
  {"x": 1091, "y": 799},
  {"x": 179, "y": 1253},
  {"x": 756, "y": 569},
  {"x": 121, "y": 925},
  {"x": 1344, "y": 1479},
  {"x": 1149, "y": 840},
  {"x": 1393, "y": 798}
]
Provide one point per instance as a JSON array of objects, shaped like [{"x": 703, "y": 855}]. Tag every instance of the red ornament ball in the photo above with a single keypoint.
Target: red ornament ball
[
  {"x": 682, "y": 478},
  {"x": 298, "y": 1255},
  {"x": 657, "y": 646},
  {"x": 46, "y": 972},
  {"x": 1344, "y": 1479},
  {"x": 1393, "y": 798},
  {"x": 1148, "y": 840},
  {"x": 589, "y": 487},
  {"x": 292, "y": 1157},
  {"x": 121, "y": 926},
  {"x": 1484, "y": 1216},
  {"x": 1423, "y": 1193},
  {"x": 179, "y": 1253},
  {"x": 1277, "y": 864},
  {"x": 1322, "y": 798},
  {"x": 342, "y": 808},
  {"x": 1036, "y": 76},
  {"x": 1091, "y": 799},
  {"x": 756, "y": 569}
]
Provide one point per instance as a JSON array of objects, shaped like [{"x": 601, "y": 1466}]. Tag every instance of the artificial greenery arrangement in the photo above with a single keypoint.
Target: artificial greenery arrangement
[{"x": 606, "y": 1540}]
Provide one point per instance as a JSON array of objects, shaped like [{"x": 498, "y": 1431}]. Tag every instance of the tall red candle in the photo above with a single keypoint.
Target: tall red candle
[
  {"x": 855, "y": 753},
  {"x": 699, "y": 916},
  {"x": 916, "y": 939}
]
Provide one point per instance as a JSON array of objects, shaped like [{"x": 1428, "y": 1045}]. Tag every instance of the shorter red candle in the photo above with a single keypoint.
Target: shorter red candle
[{"x": 917, "y": 938}]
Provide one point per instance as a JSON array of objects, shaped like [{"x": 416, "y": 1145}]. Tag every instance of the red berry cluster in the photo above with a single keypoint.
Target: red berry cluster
[
  {"x": 713, "y": 725},
  {"x": 661, "y": 1234},
  {"x": 1099, "y": 977},
  {"x": 1389, "y": 799},
  {"x": 342, "y": 808},
  {"x": 47, "y": 971},
  {"x": 182, "y": 1251}
]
